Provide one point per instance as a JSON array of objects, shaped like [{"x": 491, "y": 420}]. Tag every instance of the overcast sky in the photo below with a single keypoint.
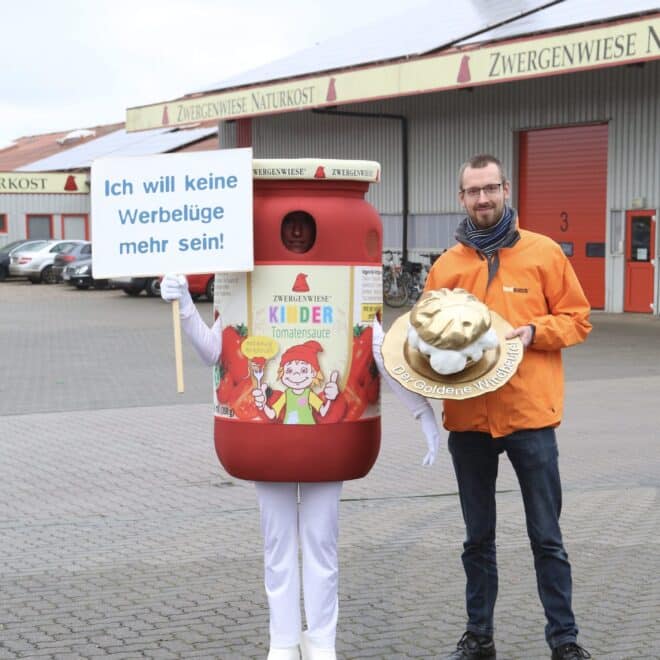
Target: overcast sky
[{"x": 78, "y": 63}]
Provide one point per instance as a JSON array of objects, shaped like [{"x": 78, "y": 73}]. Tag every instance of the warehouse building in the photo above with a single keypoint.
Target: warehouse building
[{"x": 565, "y": 93}]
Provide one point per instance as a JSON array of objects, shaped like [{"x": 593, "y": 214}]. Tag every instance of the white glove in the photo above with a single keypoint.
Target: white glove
[
  {"x": 417, "y": 404},
  {"x": 377, "y": 337},
  {"x": 175, "y": 287},
  {"x": 431, "y": 433},
  {"x": 207, "y": 341}
]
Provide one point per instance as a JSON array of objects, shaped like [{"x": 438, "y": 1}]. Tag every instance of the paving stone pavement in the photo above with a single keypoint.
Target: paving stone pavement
[{"x": 121, "y": 536}]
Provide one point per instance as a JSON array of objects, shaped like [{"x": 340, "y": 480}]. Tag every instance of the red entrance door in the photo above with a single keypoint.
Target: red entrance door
[
  {"x": 640, "y": 252},
  {"x": 563, "y": 185}
]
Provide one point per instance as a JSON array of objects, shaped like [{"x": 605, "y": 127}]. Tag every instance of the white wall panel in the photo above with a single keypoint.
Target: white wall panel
[{"x": 17, "y": 207}]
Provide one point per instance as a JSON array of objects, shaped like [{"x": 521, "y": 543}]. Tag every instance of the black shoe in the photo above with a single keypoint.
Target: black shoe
[
  {"x": 473, "y": 646},
  {"x": 570, "y": 651}
]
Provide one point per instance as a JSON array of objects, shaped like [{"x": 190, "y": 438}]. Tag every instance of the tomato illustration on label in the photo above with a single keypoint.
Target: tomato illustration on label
[
  {"x": 225, "y": 386},
  {"x": 232, "y": 358},
  {"x": 233, "y": 366},
  {"x": 362, "y": 365},
  {"x": 242, "y": 401}
]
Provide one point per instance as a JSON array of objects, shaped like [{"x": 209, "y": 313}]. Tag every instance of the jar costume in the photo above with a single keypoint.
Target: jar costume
[{"x": 296, "y": 397}]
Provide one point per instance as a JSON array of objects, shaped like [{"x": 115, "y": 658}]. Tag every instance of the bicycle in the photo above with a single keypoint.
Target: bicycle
[
  {"x": 418, "y": 273},
  {"x": 404, "y": 283},
  {"x": 395, "y": 282},
  {"x": 416, "y": 279}
]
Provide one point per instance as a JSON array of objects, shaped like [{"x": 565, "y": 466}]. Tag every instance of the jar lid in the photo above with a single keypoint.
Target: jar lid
[{"x": 316, "y": 168}]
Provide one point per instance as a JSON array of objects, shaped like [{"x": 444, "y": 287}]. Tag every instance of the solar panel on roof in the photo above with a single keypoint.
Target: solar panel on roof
[
  {"x": 421, "y": 29},
  {"x": 566, "y": 14},
  {"x": 432, "y": 27},
  {"x": 120, "y": 143}
]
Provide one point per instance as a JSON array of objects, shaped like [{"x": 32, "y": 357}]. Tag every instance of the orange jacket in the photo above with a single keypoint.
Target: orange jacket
[{"x": 535, "y": 283}]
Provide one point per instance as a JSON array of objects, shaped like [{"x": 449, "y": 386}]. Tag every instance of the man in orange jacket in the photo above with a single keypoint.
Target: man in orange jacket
[{"x": 527, "y": 279}]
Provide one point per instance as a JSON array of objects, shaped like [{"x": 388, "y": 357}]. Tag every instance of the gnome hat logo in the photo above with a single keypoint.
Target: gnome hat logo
[
  {"x": 464, "y": 70},
  {"x": 301, "y": 283},
  {"x": 320, "y": 172},
  {"x": 166, "y": 117},
  {"x": 331, "y": 95},
  {"x": 70, "y": 183}
]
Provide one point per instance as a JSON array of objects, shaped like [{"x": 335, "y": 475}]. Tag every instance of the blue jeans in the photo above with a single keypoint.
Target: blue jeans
[{"x": 533, "y": 455}]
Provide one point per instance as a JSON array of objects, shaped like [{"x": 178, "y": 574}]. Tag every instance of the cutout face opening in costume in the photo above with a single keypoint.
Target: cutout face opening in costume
[{"x": 298, "y": 231}]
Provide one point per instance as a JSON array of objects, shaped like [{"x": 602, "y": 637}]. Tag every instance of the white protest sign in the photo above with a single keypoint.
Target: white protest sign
[{"x": 182, "y": 213}]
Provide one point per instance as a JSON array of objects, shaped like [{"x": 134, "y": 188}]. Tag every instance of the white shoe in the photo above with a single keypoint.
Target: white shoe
[
  {"x": 289, "y": 653},
  {"x": 312, "y": 652}
]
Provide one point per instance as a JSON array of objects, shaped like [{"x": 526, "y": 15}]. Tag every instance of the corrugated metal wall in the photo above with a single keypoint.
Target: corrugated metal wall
[
  {"x": 446, "y": 128},
  {"x": 17, "y": 207},
  {"x": 302, "y": 135}
]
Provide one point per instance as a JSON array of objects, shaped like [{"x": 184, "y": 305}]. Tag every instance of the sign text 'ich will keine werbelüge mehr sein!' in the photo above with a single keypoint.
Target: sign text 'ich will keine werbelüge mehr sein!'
[{"x": 172, "y": 213}]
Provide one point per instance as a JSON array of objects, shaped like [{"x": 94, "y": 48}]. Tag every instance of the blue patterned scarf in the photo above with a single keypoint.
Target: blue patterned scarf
[{"x": 489, "y": 240}]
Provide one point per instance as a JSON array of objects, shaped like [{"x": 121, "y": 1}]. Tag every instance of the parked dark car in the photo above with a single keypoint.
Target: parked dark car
[
  {"x": 134, "y": 286},
  {"x": 79, "y": 274},
  {"x": 7, "y": 249},
  {"x": 70, "y": 255}
]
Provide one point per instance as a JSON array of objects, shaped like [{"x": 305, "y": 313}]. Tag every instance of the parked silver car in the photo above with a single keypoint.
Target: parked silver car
[
  {"x": 35, "y": 260},
  {"x": 5, "y": 254}
]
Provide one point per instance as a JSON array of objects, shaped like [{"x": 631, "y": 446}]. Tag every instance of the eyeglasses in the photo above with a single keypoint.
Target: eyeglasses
[{"x": 490, "y": 190}]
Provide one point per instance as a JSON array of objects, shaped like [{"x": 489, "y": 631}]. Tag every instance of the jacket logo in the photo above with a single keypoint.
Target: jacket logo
[{"x": 515, "y": 289}]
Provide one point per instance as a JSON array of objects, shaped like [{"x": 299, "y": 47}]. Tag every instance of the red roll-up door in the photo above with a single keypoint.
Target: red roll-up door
[{"x": 563, "y": 187}]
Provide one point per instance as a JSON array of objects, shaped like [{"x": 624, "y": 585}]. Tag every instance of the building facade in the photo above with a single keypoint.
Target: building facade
[
  {"x": 567, "y": 96},
  {"x": 43, "y": 205},
  {"x": 582, "y": 152}
]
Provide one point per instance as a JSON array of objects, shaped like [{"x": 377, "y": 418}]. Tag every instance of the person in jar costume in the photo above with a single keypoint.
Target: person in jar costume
[{"x": 294, "y": 516}]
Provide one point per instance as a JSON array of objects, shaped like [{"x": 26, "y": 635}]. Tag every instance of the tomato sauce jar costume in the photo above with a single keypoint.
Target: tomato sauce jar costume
[
  {"x": 316, "y": 283},
  {"x": 296, "y": 388}
]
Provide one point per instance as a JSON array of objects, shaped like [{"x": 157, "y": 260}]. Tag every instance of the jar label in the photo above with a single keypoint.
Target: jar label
[{"x": 297, "y": 344}]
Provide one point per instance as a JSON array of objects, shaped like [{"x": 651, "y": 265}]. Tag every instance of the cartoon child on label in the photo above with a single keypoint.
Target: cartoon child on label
[{"x": 299, "y": 371}]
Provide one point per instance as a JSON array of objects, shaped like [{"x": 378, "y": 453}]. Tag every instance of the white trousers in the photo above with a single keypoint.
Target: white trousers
[{"x": 311, "y": 525}]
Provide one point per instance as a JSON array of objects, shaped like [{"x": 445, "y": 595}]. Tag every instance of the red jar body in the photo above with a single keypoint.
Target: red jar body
[{"x": 325, "y": 297}]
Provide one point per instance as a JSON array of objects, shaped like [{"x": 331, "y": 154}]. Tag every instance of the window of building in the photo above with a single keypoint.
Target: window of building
[
  {"x": 75, "y": 226},
  {"x": 3, "y": 223},
  {"x": 40, "y": 226}
]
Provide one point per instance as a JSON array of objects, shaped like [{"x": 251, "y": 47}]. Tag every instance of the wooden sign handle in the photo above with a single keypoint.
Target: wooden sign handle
[{"x": 178, "y": 354}]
